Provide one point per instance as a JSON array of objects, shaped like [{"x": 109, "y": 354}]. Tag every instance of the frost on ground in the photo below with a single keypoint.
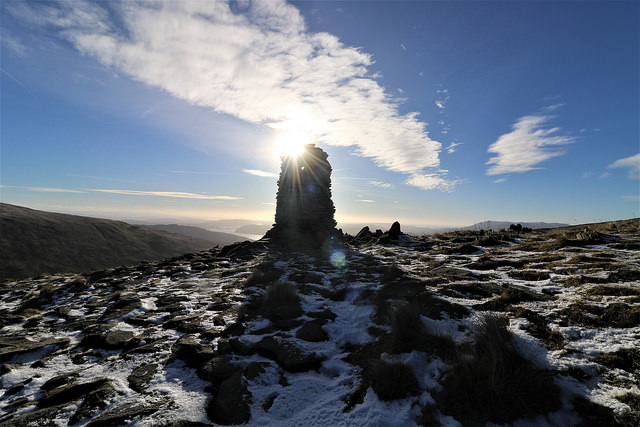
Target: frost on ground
[{"x": 405, "y": 332}]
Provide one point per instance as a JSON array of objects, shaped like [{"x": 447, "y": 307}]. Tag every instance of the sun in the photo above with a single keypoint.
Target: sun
[{"x": 291, "y": 143}]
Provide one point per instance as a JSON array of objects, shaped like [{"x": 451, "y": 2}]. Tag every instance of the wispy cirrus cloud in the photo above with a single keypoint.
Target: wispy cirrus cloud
[
  {"x": 530, "y": 143},
  {"x": 44, "y": 189},
  {"x": 175, "y": 194},
  {"x": 259, "y": 64},
  {"x": 382, "y": 184},
  {"x": 261, "y": 173},
  {"x": 631, "y": 163}
]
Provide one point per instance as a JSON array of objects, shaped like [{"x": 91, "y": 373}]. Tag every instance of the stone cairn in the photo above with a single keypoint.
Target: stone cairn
[{"x": 304, "y": 209}]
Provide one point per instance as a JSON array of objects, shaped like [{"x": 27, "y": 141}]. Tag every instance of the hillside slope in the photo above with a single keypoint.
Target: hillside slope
[
  {"x": 35, "y": 242},
  {"x": 215, "y": 237}
]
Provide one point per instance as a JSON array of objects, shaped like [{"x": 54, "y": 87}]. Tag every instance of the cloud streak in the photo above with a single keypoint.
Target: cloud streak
[
  {"x": 260, "y": 65},
  {"x": 632, "y": 163},
  {"x": 44, "y": 189},
  {"x": 527, "y": 145},
  {"x": 174, "y": 194},
  {"x": 258, "y": 172}
]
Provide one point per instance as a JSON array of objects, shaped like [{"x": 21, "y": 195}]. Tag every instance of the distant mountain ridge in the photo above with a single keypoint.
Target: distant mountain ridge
[
  {"x": 35, "y": 242},
  {"x": 215, "y": 237},
  {"x": 497, "y": 225}
]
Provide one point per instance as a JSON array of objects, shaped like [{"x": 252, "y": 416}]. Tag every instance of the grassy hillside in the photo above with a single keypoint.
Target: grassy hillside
[{"x": 35, "y": 242}]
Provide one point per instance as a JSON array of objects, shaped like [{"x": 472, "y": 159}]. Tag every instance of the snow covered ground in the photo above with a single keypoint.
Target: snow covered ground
[{"x": 188, "y": 341}]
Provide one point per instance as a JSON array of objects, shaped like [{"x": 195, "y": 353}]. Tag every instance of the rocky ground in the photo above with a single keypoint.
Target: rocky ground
[{"x": 462, "y": 328}]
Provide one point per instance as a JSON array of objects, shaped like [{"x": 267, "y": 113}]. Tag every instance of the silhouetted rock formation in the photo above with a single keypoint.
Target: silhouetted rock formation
[{"x": 304, "y": 209}]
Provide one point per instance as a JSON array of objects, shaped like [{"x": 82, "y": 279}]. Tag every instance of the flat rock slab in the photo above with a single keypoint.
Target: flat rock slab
[
  {"x": 69, "y": 393},
  {"x": 141, "y": 376},
  {"x": 13, "y": 345},
  {"x": 126, "y": 412}
]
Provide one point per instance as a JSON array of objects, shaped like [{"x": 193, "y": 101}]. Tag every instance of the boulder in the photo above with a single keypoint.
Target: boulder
[
  {"x": 231, "y": 404},
  {"x": 188, "y": 349},
  {"x": 218, "y": 369}
]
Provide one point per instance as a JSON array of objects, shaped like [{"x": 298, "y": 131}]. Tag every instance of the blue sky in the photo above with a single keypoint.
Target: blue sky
[{"x": 442, "y": 113}]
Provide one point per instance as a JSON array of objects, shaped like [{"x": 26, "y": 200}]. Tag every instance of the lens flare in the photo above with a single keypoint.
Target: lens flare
[{"x": 338, "y": 259}]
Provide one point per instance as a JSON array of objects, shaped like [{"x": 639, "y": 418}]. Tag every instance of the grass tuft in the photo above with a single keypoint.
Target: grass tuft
[
  {"x": 281, "y": 302},
  {"x": 393, "y": 381},
  {"x": 492, "y": 382},
  {"x": 409, "y": 333}
]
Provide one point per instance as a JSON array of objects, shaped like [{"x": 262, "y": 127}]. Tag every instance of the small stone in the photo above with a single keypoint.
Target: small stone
[
  {"x": 312, "y": 331},
  {"x": 324, "y": 314},
  {"x": 254, "y": 369}
]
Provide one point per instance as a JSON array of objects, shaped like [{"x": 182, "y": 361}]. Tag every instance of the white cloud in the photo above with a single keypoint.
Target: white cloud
[
  {"x": 382, "y": 184},
  {"x": 500, "y": 180},
  {"x": 604, "y": 175},
  {"x": 365, "y": 201},
  {"x": 527, "y": 145},
  {"x": 178, "y": 195},
  {"x": 634, "y": 198},
  {"x": 258, "y": 172},
  {"x": 440, "y": 104},
  {"x": 433, "y": 182},
  {"x": 403, "y": 46},
  {"x": 553, "y": 107},
  {"x": 587, "y": 175},
  {"x": 632, "y": 163},
  {"x": 452, "y": 147},
  {"x": 260, "y": 65}
]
